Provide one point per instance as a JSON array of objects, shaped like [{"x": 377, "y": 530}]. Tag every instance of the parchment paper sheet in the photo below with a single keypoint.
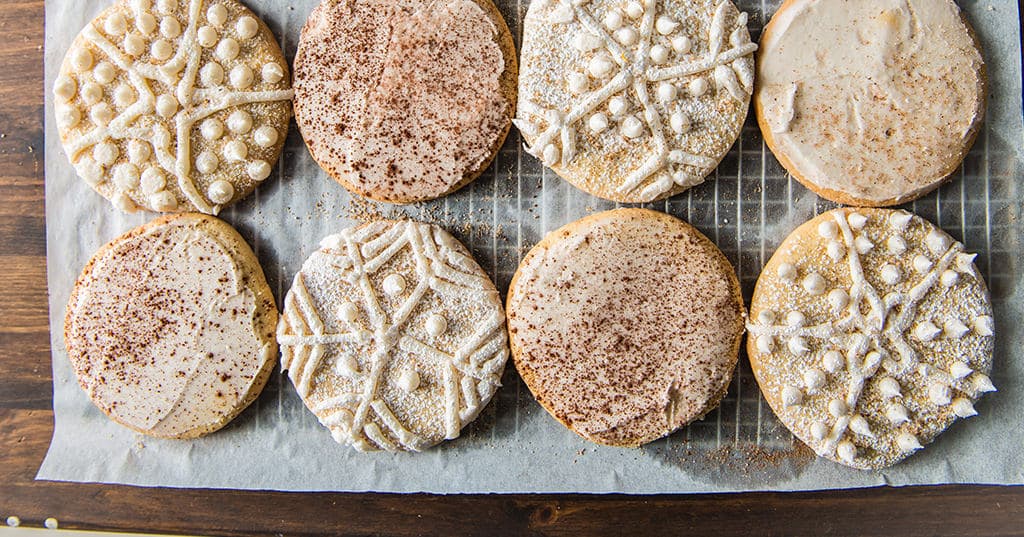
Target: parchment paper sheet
[{"x": 747, "y": 207}]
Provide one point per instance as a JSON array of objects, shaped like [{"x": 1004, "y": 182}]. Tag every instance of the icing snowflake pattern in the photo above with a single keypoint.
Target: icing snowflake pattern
[
  {"x": 170, "y": 88},
  {"x": 465, "y": 375},
  {"x": 637, "y": 56},
  {"x": 871, "y": 341}
]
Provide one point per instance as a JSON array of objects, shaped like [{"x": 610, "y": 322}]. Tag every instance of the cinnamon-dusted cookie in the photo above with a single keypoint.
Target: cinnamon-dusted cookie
[
  {"x": 170, "y": 327},
  {"x": 626, "y": 325},
  {"x": 173, "y": 105},
  {"x": 393, "y": 336},
  {"x": 405, "y": 101},
  {"x": 870, "y": 332},
  {"x": 634, "y": 100},
  {"x": 871, "y": 103}
]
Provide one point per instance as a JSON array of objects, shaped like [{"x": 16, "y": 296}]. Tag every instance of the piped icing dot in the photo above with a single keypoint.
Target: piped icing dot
[
  {"x": 166, "y": 6},
  {"x": 964, "y": 263},
  {"x": 123, "y": 202},
  {"x": 586, "y": 42},
  {"x": 104, "y": 73},
  {"x": 634, "y": 10},
  {"x": 786, "y": 272},
  {"x": 698, "y": 86},
  {"x": 600, "y": 66},
  {"x": 888, "y": 387},
  {"x": 618, "y": 106},
  {"x": 814, "y": 284},
  {"x": 126, "y": 176},
  {"x": 859, "y": 425},
  {"x": 984, "y": 325},
  {"x": 212, "y": 74},
  {"x": 163, "y": 201},
  {"x": 577, "y": 82},
  {"x": 896, "y": 245},
  {"x": 835, "y": 250},
  {"x": 161, "y": 49},
  {"x": 258, "y": 170},
  {"x": 220, "y": 192},
  {"x": 899, "y": 220},
  {"x": 939, "y": 394},
  {"x": 240, "y": 122},
  {"x": 207, "y": 36},
  {"x": 348, "y": 311},
  {"x": 795, "y": 318},
  {"x": 954, "y": 329},
  {"x": 68, "y": 116},
  {"x": 394, "y": 284},
  {"x": 81, "y": 59},
  {"x": 347, "y": 366},
  {"x": 170, "y": 27},
  {"x": 926, "y": 331},
  {"x": 833, "y": 361},
  {"x": 166, "y": 105},
  {"x": 152, "y": 180},
  {"x": 948, "y": 278},
  {"x": 765, "y": 343},
  {"x": 105, "y": 153},
  {"x": 115, "y": 24},
  {"x": 632, "y": 127},
  {"x": 862, "y": 244},
  {"x": 138, "y": 151},
  {"x": 227, "y": 49},
  {"x": 908, "y": 442},
  {"x": 682, "y": 44},
  {"x": 680, "y": 122},
  {"x": 937, "y": 241},
  {"x": 838, "y": 408},
  {"x": 665, "y": 25},
  {"x": 241, "y": 77},
  {"x": 857, "y": 220},
  {"x": 212, "y": 129},
  {"x": 666, "y": 92},
  {"x": 551, "y": 155},
  {"x": 235, "y": 151},
  {"x": 272, "y": 73},
  {"x": 890, "y": 274},
  {"x": 90, "y": 171},
  {"x": 814, "y": 379},
  {"x": 217, "y": 15},
  {"x": 838, "y": 299},
  {"x": 627, "y": 36},
  {"x": 612, "y": 20},
  {"x": 798, "y": 345},
  {"x": 101, "y": 114},
  {"x": 819, "y": 430},
  {"x": 921, "y": 263},
  {"x": 91, "y": 93},
  {"x": 963, "y": 407},
  {"x": 791, "y": 396},
  {"x": 265, "y": 136},
  {"x": 246, "y": 27},
  {"x": 435, "y": 325},
  {"x": 64, "y": 88},
  {"x": 598, "y": 123},
  {"x": 409, "y": 380},
  {"x": 124, "y": 96},
  {"x": 766, "y": 317},
  {"x": 146, "y": 23},
  {"x": 897, "y": 414},
  {"x": 207, "y": 162},
  {"x": 828, "y": 229},
  {"x": 846, "y": 451},
  {"x": 333, "y": 242},
  {"x": 134, "y": 44},
  {"x": 659, "y": 54},
  {"x": 960, "y": 370},
  {"x": 982, "y": 383}
]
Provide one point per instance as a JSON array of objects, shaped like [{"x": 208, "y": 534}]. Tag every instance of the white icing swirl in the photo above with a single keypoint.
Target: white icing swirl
[
  {"x": 908, "y": 442},
  {"x": 939, "y": 394},
  {"x": 897, "y": 414},
  {"x": 963, "y": 407},
  {"x": 272, "y": 73}
]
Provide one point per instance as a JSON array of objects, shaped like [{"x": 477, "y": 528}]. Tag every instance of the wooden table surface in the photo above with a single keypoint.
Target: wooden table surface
[{"x": 26, "y": 422}]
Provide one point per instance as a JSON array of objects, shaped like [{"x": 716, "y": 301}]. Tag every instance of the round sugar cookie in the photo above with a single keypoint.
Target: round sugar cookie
[
  {"x": 405, "y": 101},
  {"x": 870, "y": 332},
  {"x": 626, "y": 325},
  {"x": 173, "y": 105},
  {"x": 637, "y": 100},
  {"x": 393, "y": 336},
  {"x": 170, "y": 327},
  {"x": 870, "y": 103}
]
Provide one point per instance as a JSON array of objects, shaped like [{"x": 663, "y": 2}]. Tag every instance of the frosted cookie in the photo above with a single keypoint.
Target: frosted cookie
[
  {"x": 870, "y": 332},
  {"x": 405, "y": 101},
  {"x": 393, "y": 336},
  {"x": 170, "y": 327},
  {"x": 874, "y": 102},
  {"x": 625, "y": 325},
  {"x": 173, "y": 105},
  {"x": 634, "y": 101}
]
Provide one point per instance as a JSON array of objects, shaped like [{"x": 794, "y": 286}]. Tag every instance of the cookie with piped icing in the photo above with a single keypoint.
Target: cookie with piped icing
[
  {"x": 870, "y": 333},
  {"x": 871, "y": 103},
  {"x": 626, "y": 325},
  {"x": 170, "y": 327},
  {"x": 405, "y": 101},
  {"x": 393, "y": 336},
  {"x": 634, "y": 100},
  {"x": 173, "y": 105}
]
